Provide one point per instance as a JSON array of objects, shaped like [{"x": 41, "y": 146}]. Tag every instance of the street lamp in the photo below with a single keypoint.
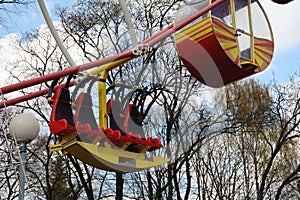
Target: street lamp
[{"x": 25, "y": 128}]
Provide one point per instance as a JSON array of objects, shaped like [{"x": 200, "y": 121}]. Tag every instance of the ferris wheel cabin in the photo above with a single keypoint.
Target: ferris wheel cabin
[
  {"x": 233, "y": 41},
  {"x": 282, "y": 1}
]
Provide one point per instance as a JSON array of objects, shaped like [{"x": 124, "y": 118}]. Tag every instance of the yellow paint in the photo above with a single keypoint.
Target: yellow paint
[
  {"x": 102, "y": 99},
  {"x": 202, "y": 29},
  {"x": 230, "y": 47},
  {"x": 109, "y": 158}
]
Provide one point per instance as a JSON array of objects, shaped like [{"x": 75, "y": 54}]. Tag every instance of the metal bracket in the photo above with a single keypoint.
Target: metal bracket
[{"x": 141, "y": 50}]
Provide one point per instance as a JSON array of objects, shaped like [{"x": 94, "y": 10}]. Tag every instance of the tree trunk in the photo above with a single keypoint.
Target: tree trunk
[
  {"x": 119, "y": 186},
  {"x": 150, "y": 186}
]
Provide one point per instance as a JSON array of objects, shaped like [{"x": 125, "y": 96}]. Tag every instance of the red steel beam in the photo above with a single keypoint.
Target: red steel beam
[
  {"x": 151, "y": 41},
  {"x": 30, "y": 96},
  {"x": 62, "y": 73}
]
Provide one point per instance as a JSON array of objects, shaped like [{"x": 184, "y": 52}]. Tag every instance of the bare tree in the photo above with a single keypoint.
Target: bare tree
[{"x": 262, "y": 139}]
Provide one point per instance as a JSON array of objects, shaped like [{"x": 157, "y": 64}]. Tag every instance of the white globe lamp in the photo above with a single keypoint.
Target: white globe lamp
[{"x": 24, "y": 127}]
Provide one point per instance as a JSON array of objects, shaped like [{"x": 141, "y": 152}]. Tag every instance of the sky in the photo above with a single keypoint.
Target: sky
[
  {"x": 283, "y": 19},
  {"x": 20, "y": 19}
]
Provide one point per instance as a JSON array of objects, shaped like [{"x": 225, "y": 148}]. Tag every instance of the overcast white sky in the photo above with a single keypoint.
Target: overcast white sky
[{"x": 283, "y": 18}]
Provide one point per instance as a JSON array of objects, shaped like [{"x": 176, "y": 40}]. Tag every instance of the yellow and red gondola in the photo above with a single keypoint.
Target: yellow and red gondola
[
  {"x": 233, "y": 41},
  {"x": 101, "y": 143}
]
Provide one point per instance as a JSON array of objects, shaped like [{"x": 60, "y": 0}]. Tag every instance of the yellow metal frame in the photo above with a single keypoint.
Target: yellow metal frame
[
  {"x": 103, "y": 71},
  {"x": 233, "y": 16}
]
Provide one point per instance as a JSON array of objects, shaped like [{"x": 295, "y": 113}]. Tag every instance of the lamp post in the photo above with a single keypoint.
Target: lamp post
[{"x": 25, "y": 128}]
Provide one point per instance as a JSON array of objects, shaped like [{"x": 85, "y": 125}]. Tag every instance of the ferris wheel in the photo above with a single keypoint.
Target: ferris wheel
[{"x": 219, "y": 42}]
